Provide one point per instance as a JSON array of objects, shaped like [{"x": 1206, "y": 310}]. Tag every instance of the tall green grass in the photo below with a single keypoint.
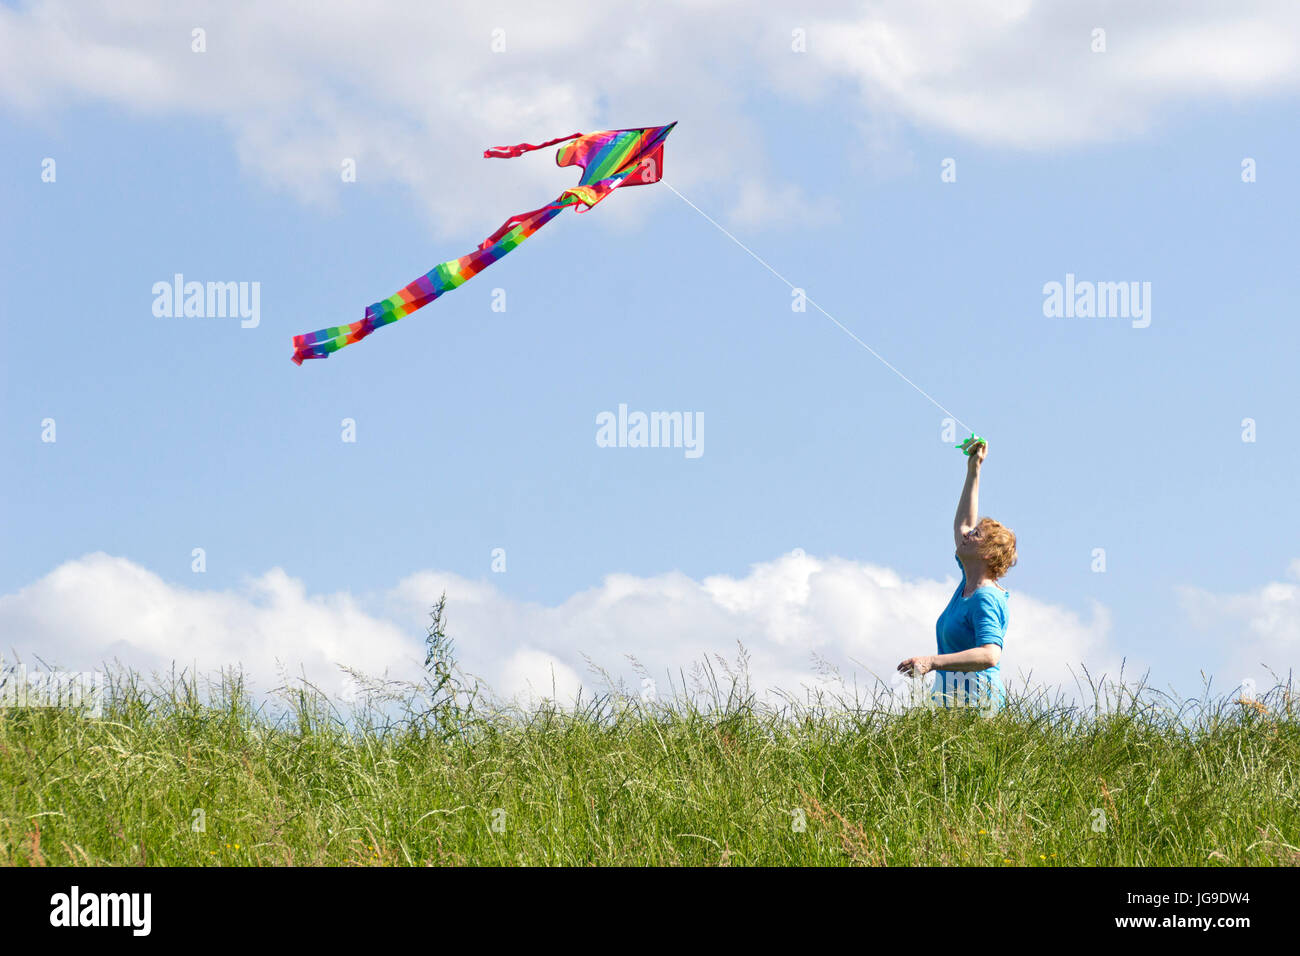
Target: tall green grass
[{"x": 179, "y": 772}]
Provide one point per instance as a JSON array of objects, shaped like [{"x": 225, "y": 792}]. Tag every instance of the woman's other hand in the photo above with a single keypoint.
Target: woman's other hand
[{"x": 916, "y": 666}]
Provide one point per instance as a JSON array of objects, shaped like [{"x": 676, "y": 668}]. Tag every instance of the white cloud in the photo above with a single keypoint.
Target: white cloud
[
  {"x": 536, "y": 675},
  {"x": 100, "y": 608},
  {"x": 764, "y": 204},
  {"x": 1025, "y": 75},
  {"x": 860, "y": 618},
  {"x": 413, "y": 92},
  {"x": 1261, "y": 628}
]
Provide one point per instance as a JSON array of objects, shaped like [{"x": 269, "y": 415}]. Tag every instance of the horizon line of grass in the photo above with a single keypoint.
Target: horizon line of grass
[{"x": 440, "y": 773}]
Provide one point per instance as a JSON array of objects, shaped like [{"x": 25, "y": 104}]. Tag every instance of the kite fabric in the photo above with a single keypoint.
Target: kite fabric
[{"x": 609, "y": 158}]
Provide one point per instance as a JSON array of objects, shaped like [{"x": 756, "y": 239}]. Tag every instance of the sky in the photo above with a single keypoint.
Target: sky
[{"x": 177, "y": 491}]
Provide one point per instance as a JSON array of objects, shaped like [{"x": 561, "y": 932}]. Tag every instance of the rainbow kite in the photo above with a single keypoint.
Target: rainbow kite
[{"x": 610, "y": 158}]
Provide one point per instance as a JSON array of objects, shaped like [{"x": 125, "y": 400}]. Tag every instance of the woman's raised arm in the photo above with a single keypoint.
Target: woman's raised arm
[{"x": 969, "y": 505}]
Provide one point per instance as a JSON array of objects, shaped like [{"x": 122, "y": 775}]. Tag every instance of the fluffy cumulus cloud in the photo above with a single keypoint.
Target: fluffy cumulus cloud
[
  {"x": 1038, "y": 74},
  {"x": 99, "y": 609},
  {"x": 414, "y": 91},
  {"x": 793, "y": 616},
  {"x": 1264, "y": 621}
]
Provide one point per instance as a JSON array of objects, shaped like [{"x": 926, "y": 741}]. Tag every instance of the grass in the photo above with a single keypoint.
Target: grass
[{"x": 435, "y": 773}]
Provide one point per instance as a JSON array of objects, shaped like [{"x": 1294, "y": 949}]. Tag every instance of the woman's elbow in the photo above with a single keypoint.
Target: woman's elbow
[{"x": 993, "y": 654}]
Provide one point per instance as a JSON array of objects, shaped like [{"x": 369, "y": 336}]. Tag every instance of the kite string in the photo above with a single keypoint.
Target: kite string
[{"x": 843, "y": 328}]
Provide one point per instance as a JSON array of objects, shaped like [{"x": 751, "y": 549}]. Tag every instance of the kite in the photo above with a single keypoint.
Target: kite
[{"x": 609, "y": 159}]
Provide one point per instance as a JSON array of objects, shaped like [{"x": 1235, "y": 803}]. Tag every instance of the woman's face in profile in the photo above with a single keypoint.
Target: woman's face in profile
[{"x": 970, "y": 543}]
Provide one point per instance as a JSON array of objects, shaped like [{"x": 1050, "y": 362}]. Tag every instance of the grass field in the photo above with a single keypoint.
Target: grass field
[{"x": 434, "y": 774}]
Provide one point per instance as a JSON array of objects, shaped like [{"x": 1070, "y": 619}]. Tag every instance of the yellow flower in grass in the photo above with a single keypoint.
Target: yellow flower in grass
[{"x": 1251, "y": 704}]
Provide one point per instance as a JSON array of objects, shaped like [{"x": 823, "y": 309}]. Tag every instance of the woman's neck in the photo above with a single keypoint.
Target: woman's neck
[{"x": 977, "y": 574}]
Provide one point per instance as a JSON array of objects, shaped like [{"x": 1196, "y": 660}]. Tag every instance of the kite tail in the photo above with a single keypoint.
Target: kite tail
[
  {"x": 510, "y": 152},
  {"x": 441, "y": 278}
]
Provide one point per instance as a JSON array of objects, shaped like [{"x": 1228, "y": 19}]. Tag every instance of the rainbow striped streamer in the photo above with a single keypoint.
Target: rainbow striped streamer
[{"x": 609, "y": 159}]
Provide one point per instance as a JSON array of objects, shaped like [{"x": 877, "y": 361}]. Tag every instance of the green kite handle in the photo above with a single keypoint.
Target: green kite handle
[{"x": 969, "y": 444}]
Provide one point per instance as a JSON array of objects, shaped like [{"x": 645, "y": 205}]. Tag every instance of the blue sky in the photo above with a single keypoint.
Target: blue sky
[{"x": 475, "y": 429}]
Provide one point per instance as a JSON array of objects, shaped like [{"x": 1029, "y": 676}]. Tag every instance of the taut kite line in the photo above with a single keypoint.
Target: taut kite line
[{"x": 609, "y": 159}]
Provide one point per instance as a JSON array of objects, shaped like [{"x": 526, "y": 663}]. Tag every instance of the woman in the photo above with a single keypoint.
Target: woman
[{"x": 971, "y": 628}]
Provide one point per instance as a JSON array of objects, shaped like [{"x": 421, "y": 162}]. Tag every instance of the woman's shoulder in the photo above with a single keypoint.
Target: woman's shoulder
[{"x": 992, "y": 593}]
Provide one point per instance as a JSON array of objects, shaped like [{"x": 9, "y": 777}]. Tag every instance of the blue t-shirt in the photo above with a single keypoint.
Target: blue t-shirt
[{"x": 970, "y": 622}]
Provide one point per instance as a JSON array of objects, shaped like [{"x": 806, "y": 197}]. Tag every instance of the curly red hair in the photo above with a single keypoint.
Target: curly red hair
[{"x": 997, "y": 546}]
